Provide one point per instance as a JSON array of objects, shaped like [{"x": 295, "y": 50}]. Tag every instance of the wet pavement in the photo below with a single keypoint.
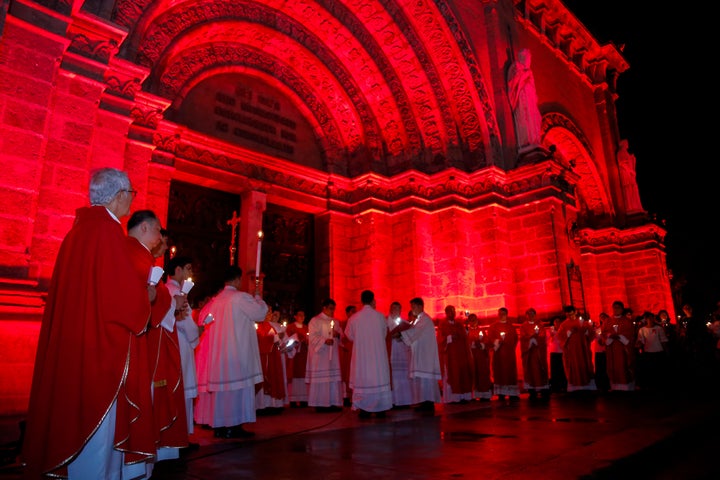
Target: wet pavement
[{"x": 581, "y": 436}]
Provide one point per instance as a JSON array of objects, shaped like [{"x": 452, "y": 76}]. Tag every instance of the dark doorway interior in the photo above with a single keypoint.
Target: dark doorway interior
[
  {"x": 198, "y": 227},
  {"x": 288, "y": 259},
  {"x": 198, "y": 222}
]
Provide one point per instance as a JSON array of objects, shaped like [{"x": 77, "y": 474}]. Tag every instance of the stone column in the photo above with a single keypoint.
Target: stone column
[{"x": 252, "y": 208}]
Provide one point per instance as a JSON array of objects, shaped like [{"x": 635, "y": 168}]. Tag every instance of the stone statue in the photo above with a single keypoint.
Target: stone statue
[
  {"x": 628, "y": 182},
  {"x": 524, "y": 102}
]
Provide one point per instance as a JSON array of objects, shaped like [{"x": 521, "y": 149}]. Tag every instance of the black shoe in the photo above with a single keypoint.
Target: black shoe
[
  {"x": 364, "y": 414},
  {"x": 501, "y": 397},
  {"x": 347, "y": 402},
  {"x": 514, "y": 398},
  {"x": 302, "y": 404},
  {"x": 238, "y": 432},
  {"x": 220, "y": 432},
  {"x": 380, "y": 414},
  {"x": 427, "y": 407}
]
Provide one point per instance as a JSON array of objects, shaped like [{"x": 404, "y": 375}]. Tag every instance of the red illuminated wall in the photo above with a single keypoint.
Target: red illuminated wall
[{"x": 405, "y": 150}]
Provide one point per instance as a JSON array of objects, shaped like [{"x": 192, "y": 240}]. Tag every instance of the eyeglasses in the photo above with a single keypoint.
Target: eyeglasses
[{"x": 132, "y": 192}]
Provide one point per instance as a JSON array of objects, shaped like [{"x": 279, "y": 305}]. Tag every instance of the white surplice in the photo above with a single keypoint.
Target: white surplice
[
  {"x": 188, "y": 339},
  {"x": 233, "y": 362},
  {"x": 369, "y": 365},
  {"x": 424, "y": 370},
  {"x": 322, "y": 371}
]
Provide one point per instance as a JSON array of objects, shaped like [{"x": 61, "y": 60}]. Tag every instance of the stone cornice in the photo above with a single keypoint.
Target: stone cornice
[{"x": 557, "y": 26}]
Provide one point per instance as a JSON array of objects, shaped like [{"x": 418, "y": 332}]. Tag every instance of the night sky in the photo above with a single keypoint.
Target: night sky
[{"x": 664, "y": 110}]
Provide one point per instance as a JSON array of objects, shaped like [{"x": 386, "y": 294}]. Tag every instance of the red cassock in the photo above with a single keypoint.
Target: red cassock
[
  {"x": 455, "y": 357},
  {"x": 97, "y": 307},
  {"x": 168, "y": 390},
  {"x": 504, "y": 359},
  {"x": 482, "y": 380},
  {"x": 296, "y": 365},
  {"x": 534, "y": 354},
  {"x": 577, "y": 355},
  {"x": 271, "y": 359}
]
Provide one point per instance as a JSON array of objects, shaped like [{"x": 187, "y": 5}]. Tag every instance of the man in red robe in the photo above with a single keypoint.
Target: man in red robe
[
  {"x": 169, "y": 429},
  {"x": 97, "y": 306},
  {"x": 503, "y": 337},
  {"x": 455, "y": 359}
]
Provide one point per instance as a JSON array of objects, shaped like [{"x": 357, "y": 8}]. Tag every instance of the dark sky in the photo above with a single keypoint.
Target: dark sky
[{"x": 664, "y": 101}]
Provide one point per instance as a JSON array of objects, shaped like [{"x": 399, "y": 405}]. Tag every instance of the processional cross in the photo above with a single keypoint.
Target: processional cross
[{"x": 234, "y": 222}]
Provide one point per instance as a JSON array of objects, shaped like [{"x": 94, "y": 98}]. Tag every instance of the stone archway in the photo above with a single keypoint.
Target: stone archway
[{"x": 573, "y": 150}]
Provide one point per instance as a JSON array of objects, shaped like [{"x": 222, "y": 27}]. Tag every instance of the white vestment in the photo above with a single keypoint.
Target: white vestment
[
  {"x": 369, "y": 365},
  {"x": 233, "y": 363},
  {"x": 399, "y": 365},
  {"x": 188, "y": 339},
  {"x": 322, "y": 371},
  {"x": 424, "y": 368}
]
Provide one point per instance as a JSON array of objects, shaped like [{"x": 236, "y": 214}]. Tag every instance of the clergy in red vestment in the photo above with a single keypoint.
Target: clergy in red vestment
[
  {"x": 619, "y": 333},
  {"x": 144, "y": 235},
  {"x": 533, "y": 350},
  {"x": 480, "y": 348},
  {"x": 97, "y": 307},
  {"x": 577, "y": 335},
  {"x": 272, "y": 396},
  {"x": 455, "y": 358},
  {"x": 297, "y": 388},
  {"x": 168, "y": 381},
  {"x": 503, "y": 337}
]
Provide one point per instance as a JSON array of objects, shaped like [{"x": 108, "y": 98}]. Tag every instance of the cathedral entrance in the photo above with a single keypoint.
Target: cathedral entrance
[
  {"x": 288, "y": 259},
  {"x": 200, "y": 224},
  {"x": 198, "y": 227}
]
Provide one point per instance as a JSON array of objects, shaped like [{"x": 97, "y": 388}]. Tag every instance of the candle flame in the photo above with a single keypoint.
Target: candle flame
[{"x": 260, "y": 234}]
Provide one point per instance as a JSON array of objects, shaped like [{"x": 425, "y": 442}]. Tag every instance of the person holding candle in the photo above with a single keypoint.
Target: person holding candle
[
  {"x": 146, "y": 243},
  {"x": 482, "y": 381},
  {"x": 533, "y": 350},
  {"x": 455, "y": 359},
  {"x": 399, "y": 361},
  {"x": 323, "y": 376},
  {"x": 577, "y": 333},
  {"x": 97, "y": 307},
  {"x": 272, "y": 397},
  {"x": 619, "y": 333},
  {"x": 503, "y": 337},
  {"x": 369, "y": 365},
  {"x": 234, "y": 371},
  {"x": 179, "y": 271},
  {"x": 424, "y": 370},
  {"x": 297, "y": 362},
  {"x": 558, "y": 382}
]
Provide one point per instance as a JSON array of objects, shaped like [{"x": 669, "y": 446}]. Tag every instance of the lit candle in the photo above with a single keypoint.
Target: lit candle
[
  {"x": 256, "y": 326},
  {"x": 502, "y": 335},
  {"x": 284, "y": 324},
  {"x": 259, "y": 250},
  {"x": 332, "y": 327},
  {"x": 537, "y": 329}
]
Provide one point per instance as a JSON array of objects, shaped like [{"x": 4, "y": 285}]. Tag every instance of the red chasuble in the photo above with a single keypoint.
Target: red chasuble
[
  {"x": 271, "y": 359},
  {"x": 95, "y": 309}
]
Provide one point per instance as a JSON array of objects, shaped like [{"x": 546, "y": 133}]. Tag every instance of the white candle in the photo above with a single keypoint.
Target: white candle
[
  {"x": 259, "y": 250},
  {"x": 502, "y": 335}
]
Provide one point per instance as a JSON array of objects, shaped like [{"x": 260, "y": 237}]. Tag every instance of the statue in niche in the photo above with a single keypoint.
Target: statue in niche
[
  {"x": 524, "y": 102},
  {"x": 628, "y": 181}
]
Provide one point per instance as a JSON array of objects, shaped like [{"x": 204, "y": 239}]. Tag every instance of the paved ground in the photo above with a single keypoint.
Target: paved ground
[{"x": 631, "y": 435}]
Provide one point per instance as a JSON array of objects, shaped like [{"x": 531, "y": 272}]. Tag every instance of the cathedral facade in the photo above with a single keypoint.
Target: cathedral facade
[{"x": 377, "y": 144}]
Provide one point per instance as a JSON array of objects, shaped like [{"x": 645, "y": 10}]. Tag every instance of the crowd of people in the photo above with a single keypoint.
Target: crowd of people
[{"x": 126, "y": 369}]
